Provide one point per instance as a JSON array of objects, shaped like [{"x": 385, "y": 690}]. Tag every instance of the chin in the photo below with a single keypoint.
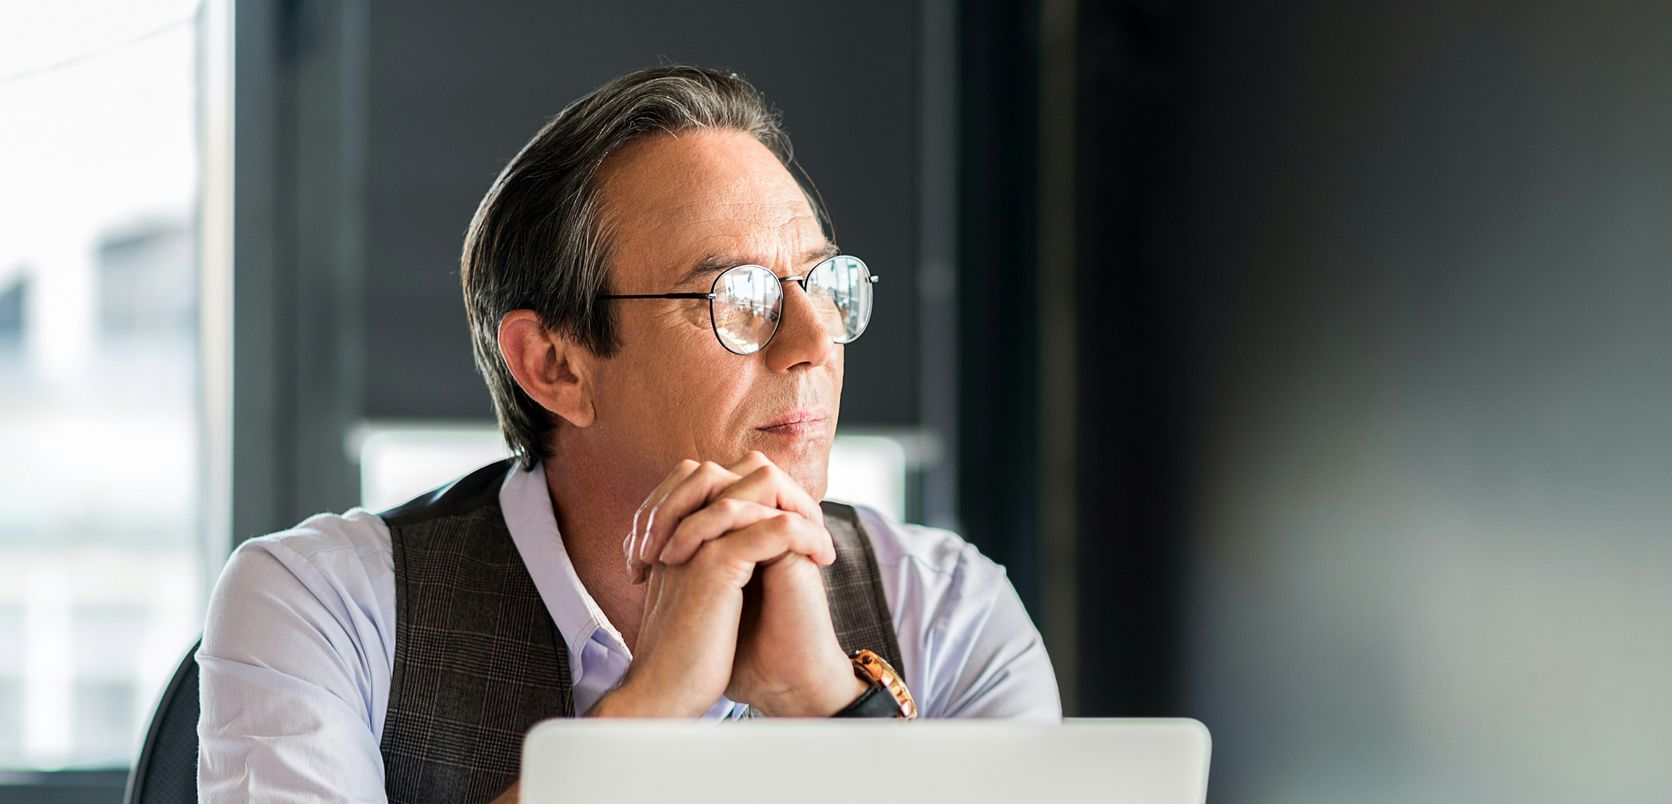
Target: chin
[
  {"x": 815, "y": 480},
  {"x": 810, "y": 467}
]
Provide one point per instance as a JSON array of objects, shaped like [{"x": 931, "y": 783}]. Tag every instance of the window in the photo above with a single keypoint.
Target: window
[
  {"x": 400, "y": 460},
  {"x": 102, "y": 536}
]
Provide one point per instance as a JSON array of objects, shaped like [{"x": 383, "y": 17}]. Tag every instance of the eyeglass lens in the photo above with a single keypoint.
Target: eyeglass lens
[{"x": 748, "y": 302}]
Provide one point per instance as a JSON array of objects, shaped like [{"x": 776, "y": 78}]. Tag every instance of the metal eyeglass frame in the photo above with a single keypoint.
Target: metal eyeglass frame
[{"x": 778, "y": 319}]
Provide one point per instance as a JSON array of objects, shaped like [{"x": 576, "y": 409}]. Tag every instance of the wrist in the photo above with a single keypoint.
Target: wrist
[
  {"x": 839, "y": 688},
  {"x": 637, "y": 698}
]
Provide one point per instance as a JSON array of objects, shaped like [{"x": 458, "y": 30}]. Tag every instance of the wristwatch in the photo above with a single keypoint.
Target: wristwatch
[{"x": 887, "y": 696}]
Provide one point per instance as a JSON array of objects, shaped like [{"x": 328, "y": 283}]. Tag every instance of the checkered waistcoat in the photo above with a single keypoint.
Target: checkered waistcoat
[{"x": 478, "y": 660}]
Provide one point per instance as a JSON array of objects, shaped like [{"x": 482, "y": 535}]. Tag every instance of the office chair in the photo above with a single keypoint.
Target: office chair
[{"x": 166, "y": 770}]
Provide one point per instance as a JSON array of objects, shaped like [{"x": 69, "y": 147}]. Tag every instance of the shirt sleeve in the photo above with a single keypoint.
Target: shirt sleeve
[
  {"x": 1006, "y": 672},
  {"x": 970, "y": 649},
  {"x": 290, "y": 669}
]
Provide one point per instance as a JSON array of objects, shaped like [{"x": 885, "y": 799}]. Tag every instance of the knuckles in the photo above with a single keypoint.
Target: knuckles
[
  {"x": 643, "y": 541},
  {"x": 783, "y": 526}
]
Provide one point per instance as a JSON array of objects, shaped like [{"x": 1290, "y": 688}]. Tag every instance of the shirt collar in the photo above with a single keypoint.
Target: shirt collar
[{"x": 526, "y": 504}]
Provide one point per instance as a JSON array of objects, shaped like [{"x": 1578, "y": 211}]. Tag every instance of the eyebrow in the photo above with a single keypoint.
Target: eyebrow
[{"x": 715, "y": 263}]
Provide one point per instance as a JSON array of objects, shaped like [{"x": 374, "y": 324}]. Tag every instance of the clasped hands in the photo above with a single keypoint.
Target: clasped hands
[{"x": 734, "y": 602}]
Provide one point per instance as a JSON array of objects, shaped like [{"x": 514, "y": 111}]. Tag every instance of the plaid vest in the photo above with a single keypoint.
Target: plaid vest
[{"x": 478, "y": 660}]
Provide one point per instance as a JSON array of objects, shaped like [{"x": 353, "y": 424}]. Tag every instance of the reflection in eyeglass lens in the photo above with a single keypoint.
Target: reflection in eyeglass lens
[
  {"x": 842, "y": 291},
  {"x": 748, "y": 301},
  {"x": 745, "y": 307}
]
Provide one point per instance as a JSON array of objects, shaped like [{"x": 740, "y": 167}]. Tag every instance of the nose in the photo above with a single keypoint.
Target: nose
[{"x": 802, "y": 338}]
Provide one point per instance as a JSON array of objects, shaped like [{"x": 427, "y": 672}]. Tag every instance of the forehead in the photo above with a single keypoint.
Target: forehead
[{"x": 672, "y": 200}]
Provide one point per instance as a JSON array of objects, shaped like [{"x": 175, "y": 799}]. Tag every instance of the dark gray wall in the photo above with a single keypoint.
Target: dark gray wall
[
  {"x": 1401, "y": 279},
  {"x": 455, "y": 91}
]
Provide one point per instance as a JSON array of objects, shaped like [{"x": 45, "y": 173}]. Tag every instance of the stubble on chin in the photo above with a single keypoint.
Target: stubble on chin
[{"x": 812, "y": 475}]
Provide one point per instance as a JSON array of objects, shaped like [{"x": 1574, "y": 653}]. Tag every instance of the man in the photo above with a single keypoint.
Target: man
[{"x": 659, "y": 313}]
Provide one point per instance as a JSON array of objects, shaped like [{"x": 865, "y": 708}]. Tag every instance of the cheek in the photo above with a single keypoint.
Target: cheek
[
  {"x": 716, "y": 393},
  {"x": 704, "y": 410},
  {"x": 681, "y": 387}
]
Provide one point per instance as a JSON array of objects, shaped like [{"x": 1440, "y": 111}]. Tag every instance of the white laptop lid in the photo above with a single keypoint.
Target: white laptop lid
[{"x": 814, "y": 762}]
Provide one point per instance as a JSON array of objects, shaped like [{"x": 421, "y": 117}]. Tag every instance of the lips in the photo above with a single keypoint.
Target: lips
[{"x": 795, "y": 421}]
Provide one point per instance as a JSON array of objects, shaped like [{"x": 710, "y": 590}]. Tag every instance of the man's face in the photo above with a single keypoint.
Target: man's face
[{"x": 718, "y": 197}]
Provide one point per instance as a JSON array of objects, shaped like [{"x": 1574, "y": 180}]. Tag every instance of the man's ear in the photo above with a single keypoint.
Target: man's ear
[{"x": 554, "y": 371}]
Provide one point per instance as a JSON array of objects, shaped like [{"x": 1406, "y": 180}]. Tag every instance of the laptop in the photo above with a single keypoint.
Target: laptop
[{"x": 1162, "y": 761}]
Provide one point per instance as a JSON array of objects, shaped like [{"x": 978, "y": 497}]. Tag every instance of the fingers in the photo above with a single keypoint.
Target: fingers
[
  {"x": 752, "y": 460},
  {"x": 693, "y": 486},
  {"x": 767, "y": 540},
  {"x": 765, "y": 483},
  {"x": 684, "y": 499},
  {"x": 641, "y": 518},
  {"x": 656, "y": 520},
  {"x": 761, "y": 483},
  {"x": 729, "y": 514}
]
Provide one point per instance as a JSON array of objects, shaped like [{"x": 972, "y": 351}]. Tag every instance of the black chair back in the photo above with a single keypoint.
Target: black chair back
[{"x": 166, "y": 770}]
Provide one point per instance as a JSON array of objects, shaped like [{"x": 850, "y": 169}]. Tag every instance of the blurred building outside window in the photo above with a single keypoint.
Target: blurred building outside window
[{"x": 102, "y": 532}]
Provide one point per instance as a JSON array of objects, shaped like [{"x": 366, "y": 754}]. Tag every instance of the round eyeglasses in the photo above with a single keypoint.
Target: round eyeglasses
[{"x": 746, "y": 302}]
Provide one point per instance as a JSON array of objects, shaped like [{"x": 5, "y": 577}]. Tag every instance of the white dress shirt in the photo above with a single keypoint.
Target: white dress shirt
[{"x": 299, "y": 644}]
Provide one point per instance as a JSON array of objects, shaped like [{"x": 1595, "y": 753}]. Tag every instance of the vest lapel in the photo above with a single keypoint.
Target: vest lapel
[
  {"x": 853, "y": 585},
  {"x": 477, "y": 659}
]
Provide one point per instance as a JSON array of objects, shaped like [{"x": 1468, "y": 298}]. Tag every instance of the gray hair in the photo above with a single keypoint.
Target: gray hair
[{"x": 536, "y": 242}]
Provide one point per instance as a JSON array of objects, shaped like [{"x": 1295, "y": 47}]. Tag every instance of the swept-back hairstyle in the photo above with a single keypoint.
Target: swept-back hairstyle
[{"x": 536, "y": 243}]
